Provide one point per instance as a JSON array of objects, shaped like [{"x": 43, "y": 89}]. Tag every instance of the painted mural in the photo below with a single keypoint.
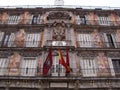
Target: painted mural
[
  {"x": 14, "y": 64},
  {"x": 39, "y": 67},
  {"x": 24, "y": 18},
  {"x": 20, "y": 38},
  {"x": 103, "y": 66},
  {"x": 92, "y": 18},
  {"x": 4, "y": 18},
  {"x": 97, "y": 41}
]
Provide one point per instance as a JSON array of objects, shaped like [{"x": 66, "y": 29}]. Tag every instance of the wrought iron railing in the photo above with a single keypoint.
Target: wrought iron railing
[
  {"x": 98, "y": 22},
  {"x": 14, "y": 21},
  {"x": 20, "y": 44},
  {"x": 75, "y": 72},
  {"x": 58, "y": 43},
  {"x": 38, "y": 21},
  {"x": 95, "y": 44}
]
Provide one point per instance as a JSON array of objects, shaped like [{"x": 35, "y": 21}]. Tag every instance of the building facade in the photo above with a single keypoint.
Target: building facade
[{"x": 91, "y": 36}]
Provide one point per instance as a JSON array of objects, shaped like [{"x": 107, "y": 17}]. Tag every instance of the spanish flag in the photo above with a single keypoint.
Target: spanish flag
[
  {"x": 48, "y": 63},
  {"x": 62, "y": 61}
]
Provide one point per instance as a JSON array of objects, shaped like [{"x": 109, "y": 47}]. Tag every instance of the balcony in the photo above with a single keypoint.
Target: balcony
[
  {"x": 98, "y": 45},
  {"x": 62, "y": 44},
  {"x": 98, "y": 22},
  {"x": 60, "y": 72}
]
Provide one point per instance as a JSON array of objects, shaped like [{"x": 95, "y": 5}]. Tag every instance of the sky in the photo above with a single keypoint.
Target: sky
[{"x": 108, "y": 3}]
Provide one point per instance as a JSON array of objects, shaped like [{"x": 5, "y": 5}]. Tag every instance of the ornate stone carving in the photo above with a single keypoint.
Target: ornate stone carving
[{"x": 58, "y": 32}]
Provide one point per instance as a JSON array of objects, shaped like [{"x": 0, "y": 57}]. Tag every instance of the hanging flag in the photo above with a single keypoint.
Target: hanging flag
[
  {"x": 62, "y": 61},
  {"x": 48, "y": 63},
  {"x": 67, "y": 61}
]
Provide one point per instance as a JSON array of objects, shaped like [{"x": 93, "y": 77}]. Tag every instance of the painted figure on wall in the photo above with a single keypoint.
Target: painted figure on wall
[
  {"x": 20, "y": 38},
  {"x": 118, "y": 37},
  {"x": 103, "y": 66},
  {"x": 4, "y": 17},
  {"x": 39, "y": 69},
  {"x": 14, "y": 64},
  {"x": 24, "y": 18},
  {"x": 92, "y": 17},
  {"x": 97, "y": 41},
  {"x": 114, "y": 19}
]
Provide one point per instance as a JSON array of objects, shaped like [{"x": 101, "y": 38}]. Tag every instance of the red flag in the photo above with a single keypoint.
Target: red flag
[
  {"x": 62, "y": 61},
  {"x": 67, "y": 60},
  {"x": 48, "y": 63}
]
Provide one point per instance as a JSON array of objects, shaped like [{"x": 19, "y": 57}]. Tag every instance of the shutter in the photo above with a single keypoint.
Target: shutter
[
  {"x": 111, "y": 66},
  {"x": 28, "y": 66},
  {"x": 106, "y": 40},
  {"x": 3, "y": 65},
  {"x": 114, "y": 40}
]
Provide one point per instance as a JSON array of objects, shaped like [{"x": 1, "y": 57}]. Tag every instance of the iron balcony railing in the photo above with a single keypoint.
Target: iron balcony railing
[
  {"x": 95, "y": 44},
  {"x": 81, "y": 44},
  {"x": 37, "y": 21},
  {"x": 16, "y": 20},
  {"x": 75, "y": 72},
  {"x": 98, "y": 22},
  {"x": 58, "y": 43}
]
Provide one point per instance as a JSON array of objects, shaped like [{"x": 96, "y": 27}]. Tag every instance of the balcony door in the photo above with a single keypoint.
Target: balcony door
[
  {"x": 88, "y": 67},
  {"x": 110, "y": 40},
  {"x": 84, "y": 40},
  {"x": 28, "y": 66},
  {"x": 32, "y": 39},
  {"x": 57, "y": 69},
  {"x": 3, "y": 65}
]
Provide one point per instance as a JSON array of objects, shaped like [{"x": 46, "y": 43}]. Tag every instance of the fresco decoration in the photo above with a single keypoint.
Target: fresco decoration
[
  {"x": 20, "y": 38},
  {"x": 97, "y": 41},
  {"x": 92, "y": 17},
  {"x": 114, "y": 19},
  {"x": 25, "y": 18},
  {"x": 103, "y": 66},
  {"x": 14, "y": 64},
  {"x": 4, "y": 17},
  {"x": 39, "y": 67},
  {"x": 118, "y": 37}
]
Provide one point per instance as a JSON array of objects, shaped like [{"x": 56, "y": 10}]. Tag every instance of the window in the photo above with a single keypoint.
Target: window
[
  {"x": 3, "y": 65},
  {"x": 28, "y": 66},
  {"x": 84, "y": 40},
  {"x": 103, "y": 20},
  {"x": 80, "y": 19},
  {"x": 116, "y": 65},
  {"x": 110, "y": 40},
  {"x": 57, "y": 69},
  {"x": 1, "y": 37},
  {"x": 88, "y": 67},
  {"x": 32, "y": 39},
  {"x": 13, "y": 19},
  {"x": 8, "y": 40}
]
